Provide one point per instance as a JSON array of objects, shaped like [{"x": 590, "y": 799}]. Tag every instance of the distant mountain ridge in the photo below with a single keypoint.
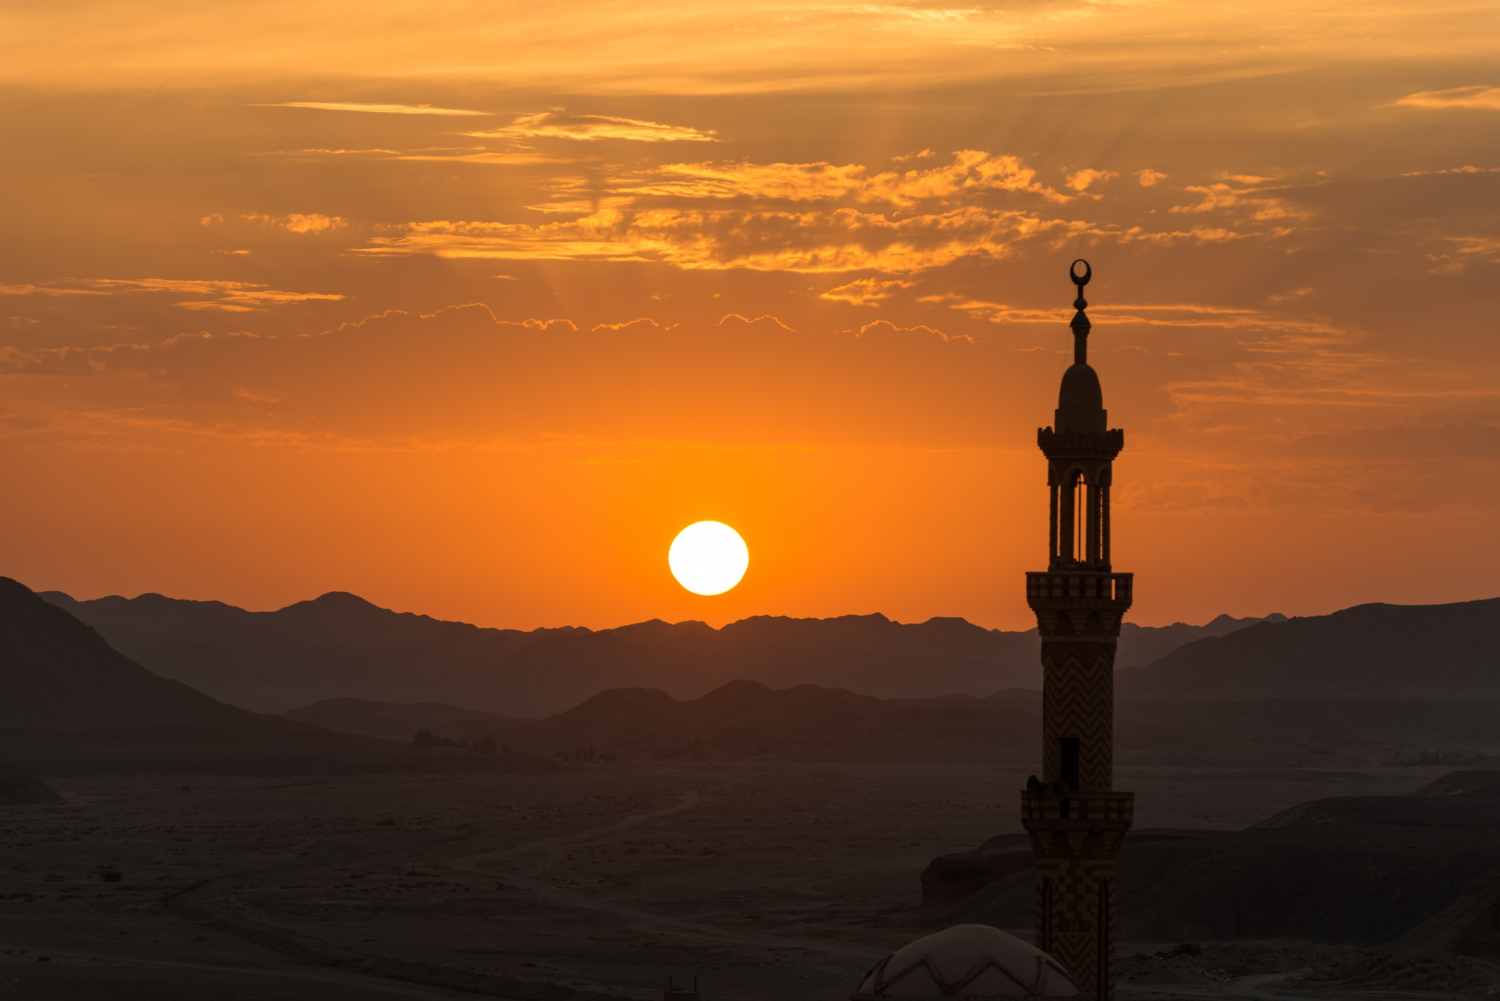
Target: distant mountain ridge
[
  {"x": 341, "y": 646},
  {"x": 1375, "y": 651}
]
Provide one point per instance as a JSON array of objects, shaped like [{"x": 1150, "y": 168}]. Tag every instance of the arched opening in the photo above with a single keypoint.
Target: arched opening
[
  {"x": 1071, "y": 508},
  {"x": 1079, "y": 525},
  {"x": 1082, "y": 534}
]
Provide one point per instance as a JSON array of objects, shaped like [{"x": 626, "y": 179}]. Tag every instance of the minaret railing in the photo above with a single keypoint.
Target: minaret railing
[{"x": 1078, "y": 586}]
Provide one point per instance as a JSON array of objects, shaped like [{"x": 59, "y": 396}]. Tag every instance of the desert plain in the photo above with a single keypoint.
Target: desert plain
[{"x": 528, "y": 878}]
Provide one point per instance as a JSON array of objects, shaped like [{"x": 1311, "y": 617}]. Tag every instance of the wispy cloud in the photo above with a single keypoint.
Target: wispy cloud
[
  {"x": 373, "y": 109},
  {"x": 794, "y": 182},
  {"x": 820, "y": 218},
  {"x": 1149, "y": 178},
  {"x": 1465, "y": 250},
  {"x": 819, "y": 241},
  {"x": 764, "y": 320},
  {"x": 971, "y": 172},
  {"x": 1467, "y": 169},
  {"x": 46, "y": 290},
  {"x": 228, "y": 296},
  {"x": 449, "y": 154},
  {"x": 865, "y": 291},
  {"x": 996, "y": 312},
  {"x": 588, "y": 128},
  {"x": 885, "y": 328},
  {"x": 1257, "y": 202},
  {"x": 1168, "y": 314},
  {"x": 497, "y": 157},
  {"x": 1080, "y": 180},
  {"x": 317, "y": 151},
  {"x": 299, "y": 222},
  {"x": 1486, "y": 98},
  {"x": 67, "y": 360},
  {"x": 1198, "y": 234}
]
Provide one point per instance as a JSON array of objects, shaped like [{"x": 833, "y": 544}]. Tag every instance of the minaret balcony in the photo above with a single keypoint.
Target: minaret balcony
[
  {"x": 1068, "y": 444},
  {"x": 1078, "y": 586},
  {"x": 1078, "y": 604}
]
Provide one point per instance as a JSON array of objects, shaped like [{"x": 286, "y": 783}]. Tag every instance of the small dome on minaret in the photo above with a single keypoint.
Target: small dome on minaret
[
  {"x": 968, "y": 961},
  {"x": 1080, "y": 389}
]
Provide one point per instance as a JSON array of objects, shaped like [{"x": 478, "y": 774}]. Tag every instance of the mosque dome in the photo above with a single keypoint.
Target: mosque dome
[{"x": 968, "y": 961}]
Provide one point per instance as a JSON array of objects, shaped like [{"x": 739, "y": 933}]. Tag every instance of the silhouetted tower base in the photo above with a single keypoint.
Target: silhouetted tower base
[{"x": 1075, "y": 818}]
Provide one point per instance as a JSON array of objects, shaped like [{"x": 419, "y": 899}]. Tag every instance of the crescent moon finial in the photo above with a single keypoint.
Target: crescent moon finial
[{"x": 1088, "y": 272}]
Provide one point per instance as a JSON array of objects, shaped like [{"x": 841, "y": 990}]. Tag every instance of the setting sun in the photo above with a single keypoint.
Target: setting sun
[{"x": 708, "y": 557}]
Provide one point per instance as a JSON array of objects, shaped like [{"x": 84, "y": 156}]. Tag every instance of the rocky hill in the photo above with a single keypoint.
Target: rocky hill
[{"x": 56, "y": 672}]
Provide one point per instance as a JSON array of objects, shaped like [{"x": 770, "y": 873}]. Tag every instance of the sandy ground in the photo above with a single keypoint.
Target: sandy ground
[{"x": 762, "y": 880}]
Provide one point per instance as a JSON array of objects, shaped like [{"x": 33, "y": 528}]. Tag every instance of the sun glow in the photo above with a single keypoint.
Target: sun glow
[{"x": 708, "y": 557}]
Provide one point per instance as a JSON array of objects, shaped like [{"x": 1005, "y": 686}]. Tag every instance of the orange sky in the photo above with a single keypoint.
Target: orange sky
[{"x": 469, "y": 307}]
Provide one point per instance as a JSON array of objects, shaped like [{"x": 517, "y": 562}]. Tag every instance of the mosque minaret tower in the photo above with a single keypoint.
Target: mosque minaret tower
[{"x": 1075, "y": 817}]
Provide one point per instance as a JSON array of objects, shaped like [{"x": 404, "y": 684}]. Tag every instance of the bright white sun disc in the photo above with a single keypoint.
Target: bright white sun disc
[{"x": 708, "y": 557}]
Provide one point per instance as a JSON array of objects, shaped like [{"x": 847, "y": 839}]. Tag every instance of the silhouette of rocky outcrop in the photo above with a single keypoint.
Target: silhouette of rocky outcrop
[{"x": 340, "y": 645}]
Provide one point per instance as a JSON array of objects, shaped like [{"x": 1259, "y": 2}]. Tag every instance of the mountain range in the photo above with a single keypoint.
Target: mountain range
[
  {"x": 1375, "y": 651},
  {"x": 1358, "y": 685},
  {"x": 341, "y": 646}
]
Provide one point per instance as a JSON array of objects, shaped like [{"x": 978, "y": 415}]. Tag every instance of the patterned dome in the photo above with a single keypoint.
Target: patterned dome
[{"x": 968, "y": 961}]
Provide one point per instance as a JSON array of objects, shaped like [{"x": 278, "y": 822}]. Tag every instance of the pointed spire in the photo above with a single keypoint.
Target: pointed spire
[{"x": 1080, "y": 322}]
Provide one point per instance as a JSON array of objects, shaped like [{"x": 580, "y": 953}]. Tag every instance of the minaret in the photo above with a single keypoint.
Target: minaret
[{"x": 1074, "y": 816}]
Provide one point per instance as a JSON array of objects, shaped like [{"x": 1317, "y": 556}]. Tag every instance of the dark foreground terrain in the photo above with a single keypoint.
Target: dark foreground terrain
[
  {"x": 158, "y": 844},
  {"x": 537, "y": 880}
]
